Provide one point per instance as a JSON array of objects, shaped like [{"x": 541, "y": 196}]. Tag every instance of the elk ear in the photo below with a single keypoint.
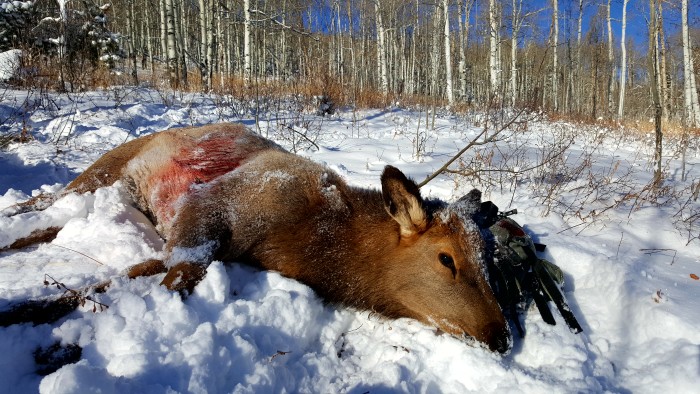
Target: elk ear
[{"x": 403, "y": 202}]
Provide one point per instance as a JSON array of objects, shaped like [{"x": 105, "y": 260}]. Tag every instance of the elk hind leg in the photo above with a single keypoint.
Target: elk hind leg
[{"x": 37, "y": 236}]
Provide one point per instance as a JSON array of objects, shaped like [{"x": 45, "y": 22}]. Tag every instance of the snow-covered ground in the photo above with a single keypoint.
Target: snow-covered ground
[{"x": 249, "y": 331}]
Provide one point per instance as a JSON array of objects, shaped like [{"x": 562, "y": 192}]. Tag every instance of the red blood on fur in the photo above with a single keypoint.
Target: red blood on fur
[{"x": 198, "y": 164}]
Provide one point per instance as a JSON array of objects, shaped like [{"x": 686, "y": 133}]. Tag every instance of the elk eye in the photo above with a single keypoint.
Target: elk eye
[{"x": 447, "y": 261}]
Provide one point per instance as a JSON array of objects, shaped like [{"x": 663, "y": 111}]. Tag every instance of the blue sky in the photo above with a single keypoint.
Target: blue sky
[{"x": 637, "y": 15}]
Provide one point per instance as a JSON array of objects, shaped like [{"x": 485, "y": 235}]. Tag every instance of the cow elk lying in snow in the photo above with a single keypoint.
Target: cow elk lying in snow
[{"x": 221, "y": 192}]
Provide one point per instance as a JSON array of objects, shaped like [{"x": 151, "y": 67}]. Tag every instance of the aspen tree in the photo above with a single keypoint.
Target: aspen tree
[
  {"x": 611, "y": 63},
  {"x": 494, "y": 50},
  {"x": 654, "y": 80},
  {"x": 448, "y": 58},
  {"x": 555, "y": 50},
  {"x": 170, "y": 43},
  {"x": 381, "y": 49},
  {"x": 246, "y": 42},
  {"x": 623, "y": 60},
  {"x": 690, "y": 90}
]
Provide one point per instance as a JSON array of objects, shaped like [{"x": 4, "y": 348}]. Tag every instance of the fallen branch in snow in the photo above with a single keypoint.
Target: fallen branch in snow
[
  {"x": 656, "y": 250},
  {"x": 50, "y": 309},
  {"x": 658, "y": 296},
  {"x": 48, "y": 360},
  {"x": 37, "y": 203},
  {"x": 81, "y": 296},
  {"x": 37, "y": 236}
]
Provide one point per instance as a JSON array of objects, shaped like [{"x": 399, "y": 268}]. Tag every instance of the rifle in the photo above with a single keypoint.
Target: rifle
[{"x": 516, "y": 273}]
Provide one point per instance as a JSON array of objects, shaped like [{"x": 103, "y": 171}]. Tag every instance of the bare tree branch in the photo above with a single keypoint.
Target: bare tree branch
[{"x": 474, "y": 142}]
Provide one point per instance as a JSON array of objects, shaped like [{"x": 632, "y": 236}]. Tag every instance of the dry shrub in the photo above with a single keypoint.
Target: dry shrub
[
  {"x": 672, "y": 128},
  {"x": 370, "y": 98},
  {"x": 309, "y": 88},
  {"x": 38, "y": 71},
  {"x": 583, "y": 184}
]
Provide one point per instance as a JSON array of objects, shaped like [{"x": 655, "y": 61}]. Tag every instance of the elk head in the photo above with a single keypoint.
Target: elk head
[{"x": 439, "y": 276}]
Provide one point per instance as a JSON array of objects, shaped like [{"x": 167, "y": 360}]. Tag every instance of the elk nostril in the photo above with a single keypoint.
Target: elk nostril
[
  {"x": 498, "y": 337},
  {"x": 502, "y": 344}
]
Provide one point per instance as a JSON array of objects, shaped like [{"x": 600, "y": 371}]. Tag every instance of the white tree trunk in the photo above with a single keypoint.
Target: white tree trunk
[
  {"x": 204, "y": 44},
  {"x": 133, "y": 35},
  {"x": 170, "y": 44},
  {"x": 181, "y": 48},
  {"x": 147, "y": 32},
  {"x": 395, "y": 72},
  {"x": 623, "y": 66},
  {"x": 663, "y": 73},
  {"x": 611, "y": 63},
  {"x": 654, "y": 81},
  {"x": 494, "y": 50},
  {"x": 414, "y": 78},
  {"x": 381, "y": 51},
  {"x": 62, "y": 39},
  {"x": 465, "y": 7},
  {"x": 353, "y": 69},
  {"x": 341, "y": 70},
  {"x": 435, "y": 54},
  {"x": 516, "y": 7},
  {"x": 163, "y": 30},
  {"x": 448, "y": 56},
  {"x": 692, "y": 107},
  {"x": 246, "y": 42},
  {"x": 211, "y": 42},
  {"x": 658, "y": 43},
  {"x": 282, "y": 64},
  {"x": 579, "y": 68},
  {"x": 217, "y": 39},
  {"x": 555, "y": 50}
]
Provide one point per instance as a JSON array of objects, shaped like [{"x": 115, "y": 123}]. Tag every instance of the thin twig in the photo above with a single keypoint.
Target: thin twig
[
  {"x": 655, "y": 250},
  {"x": 279, "y": 353},
  {"x": 571, "y": 227},
  {"x": 622, "y": 235},
  {"x": 282, "y": 25},
  {"x": 80, "y": 253},
  {"x": 304, "y": 137},
  {"x": 79, "y": 294}
]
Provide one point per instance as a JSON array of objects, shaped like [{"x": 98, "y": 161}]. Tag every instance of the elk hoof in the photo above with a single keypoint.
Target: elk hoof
[
  {"x": 147, "y": 268},
  {"x": 183, "y": 277}
]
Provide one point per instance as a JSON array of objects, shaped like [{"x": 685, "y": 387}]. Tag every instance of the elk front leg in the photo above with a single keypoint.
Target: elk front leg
[
  {"x": 147, "y": 268},
  {"x": 197, "y": 236},
  {"x": 183, "y": 277}
]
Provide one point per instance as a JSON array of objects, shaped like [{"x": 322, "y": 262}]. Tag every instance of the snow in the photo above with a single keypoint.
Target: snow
[{"x": 249, "y": 331}]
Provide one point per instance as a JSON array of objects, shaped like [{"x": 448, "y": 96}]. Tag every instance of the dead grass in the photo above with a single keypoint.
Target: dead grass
[
  {"x": 671, "y": 128},
  {"x": 308, "y": 89}
]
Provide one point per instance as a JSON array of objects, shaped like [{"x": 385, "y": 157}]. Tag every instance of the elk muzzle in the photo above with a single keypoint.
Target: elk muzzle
[{"x": 496, "y": 336}]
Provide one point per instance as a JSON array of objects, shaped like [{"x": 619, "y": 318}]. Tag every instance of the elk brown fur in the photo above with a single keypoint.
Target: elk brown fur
[{"x": 221, "y": 192}]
